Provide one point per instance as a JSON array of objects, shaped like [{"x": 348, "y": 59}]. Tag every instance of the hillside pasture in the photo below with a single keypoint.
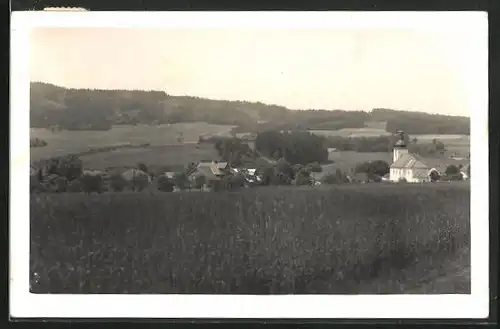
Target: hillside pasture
[
  {"x": 70, "y": 142},
  {"x": 352, "y": 132},
  {"x": 166, "y": 155},
  {"x": 337, "y": 240}
]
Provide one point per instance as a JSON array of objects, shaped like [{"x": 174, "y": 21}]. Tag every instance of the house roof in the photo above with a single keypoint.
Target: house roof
[
  {"x": 420, "y": 174},
  {"x": 415, "y": 161},
  {"x": 207, "y": 172},
  {"x": 410, "y": 161},
  {"x": 221, "y": 165}
]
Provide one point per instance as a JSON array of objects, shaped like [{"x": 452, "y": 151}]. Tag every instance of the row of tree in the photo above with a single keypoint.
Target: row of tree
[
  {"x": 85, "y": 109},
  {"x": 294, "y": 147},
  {"x": 383, "y": 144}
]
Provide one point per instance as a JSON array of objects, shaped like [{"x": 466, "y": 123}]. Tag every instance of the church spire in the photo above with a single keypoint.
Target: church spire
[
  {"x": 399, "y": 147},
  {"x": 401, "y": 142}
]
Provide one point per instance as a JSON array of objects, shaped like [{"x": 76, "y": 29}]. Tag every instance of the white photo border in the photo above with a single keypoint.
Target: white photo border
[{"x": 26, "y": 305}]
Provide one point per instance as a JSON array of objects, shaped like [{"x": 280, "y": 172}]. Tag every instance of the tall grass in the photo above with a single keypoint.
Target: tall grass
[{"x": 257, "y": 241}]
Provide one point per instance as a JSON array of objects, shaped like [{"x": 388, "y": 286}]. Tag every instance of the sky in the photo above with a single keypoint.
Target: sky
[{"x": 301, "y": 68}]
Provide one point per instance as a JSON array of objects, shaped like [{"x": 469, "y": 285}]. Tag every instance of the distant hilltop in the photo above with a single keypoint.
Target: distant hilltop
[{"x": 87, "y": 109}]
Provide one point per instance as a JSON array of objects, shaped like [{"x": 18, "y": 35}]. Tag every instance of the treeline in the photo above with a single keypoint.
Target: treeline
[
  {"x": 86, "y": 109},
  {"x": 422, "y": 123},
  {"x": 383, "y": 144},
  {"x": 294, "y": 147}
]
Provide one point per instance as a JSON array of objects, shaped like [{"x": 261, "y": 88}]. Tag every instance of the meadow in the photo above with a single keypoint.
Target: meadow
[
  {"x": 347, "y": 160},
  {"x": 70, "y": 142},
  {"x": 340, "y": 239},
  {"x": 353, "y": 132},
  {"x": 167, "y": 155}
]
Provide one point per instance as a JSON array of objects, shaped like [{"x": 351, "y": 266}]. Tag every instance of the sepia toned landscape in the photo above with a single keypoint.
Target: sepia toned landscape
[{"x": 144, "y": 192}]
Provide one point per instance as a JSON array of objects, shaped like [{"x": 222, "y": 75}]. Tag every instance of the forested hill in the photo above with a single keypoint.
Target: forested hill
[{"x": 85, "y": 109}]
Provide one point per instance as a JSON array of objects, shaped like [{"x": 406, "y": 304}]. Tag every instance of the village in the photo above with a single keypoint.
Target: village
[{"x": 61, "y": 174}]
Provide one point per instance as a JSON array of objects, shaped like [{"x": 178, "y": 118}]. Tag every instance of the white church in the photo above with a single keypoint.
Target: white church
[{"x": 405, "y": 165}]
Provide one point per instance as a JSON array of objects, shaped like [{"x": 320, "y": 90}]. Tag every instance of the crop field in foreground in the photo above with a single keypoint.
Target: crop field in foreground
[{"x": 343, "y": 239}]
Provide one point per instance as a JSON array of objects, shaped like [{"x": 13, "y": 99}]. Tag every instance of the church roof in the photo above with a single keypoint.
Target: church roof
[
  {"x": 410, "y": 161},
  {"x": 420, "y": 174}
]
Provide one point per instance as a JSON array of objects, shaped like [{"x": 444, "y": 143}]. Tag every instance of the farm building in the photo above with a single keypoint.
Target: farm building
[
  {"x": 170, "y": 174},
  {"x": 212, "y": 171}
]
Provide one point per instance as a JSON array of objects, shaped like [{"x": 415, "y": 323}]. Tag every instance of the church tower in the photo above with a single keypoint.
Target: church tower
[{"x": 400, "y": 147}]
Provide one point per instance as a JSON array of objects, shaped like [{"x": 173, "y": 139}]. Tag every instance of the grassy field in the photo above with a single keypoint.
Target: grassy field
[
  {"x": 343, "y": 239},
  {"x": 347, "y": 160},
  {"x": 170, "y": 155},
  {"x": 353, "y": 132},
  {"x": 459, "y": 144},
  {"x": 66, "y": 142}
]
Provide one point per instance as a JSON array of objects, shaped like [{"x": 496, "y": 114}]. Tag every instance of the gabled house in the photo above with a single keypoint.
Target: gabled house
[{"x": 212, "y": 171}]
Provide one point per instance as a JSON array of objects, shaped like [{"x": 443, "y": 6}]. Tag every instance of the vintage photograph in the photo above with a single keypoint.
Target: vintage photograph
[
  {"x": 232, "y": 159},
  {"x": 248, "y": 161}
]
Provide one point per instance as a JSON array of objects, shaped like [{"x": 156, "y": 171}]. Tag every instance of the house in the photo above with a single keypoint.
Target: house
[
  {"x": 170, "y": 174},
  {"x": 212, "y": 171},
  {"x": 251, "y": 176}
]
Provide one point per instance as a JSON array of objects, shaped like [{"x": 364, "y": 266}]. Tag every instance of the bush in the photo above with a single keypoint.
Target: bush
[
  {"x": 139, "y": 182},
  {"x": 118, "y": 182},
  {"x": 281, "y": 178},
  {"x": 434, "y": 176},
  {"x": 70, "y": 167},
  {"x": 302, "y": 178},
  {"x": 452, "y": 170},
  {"x": 345, "y": 236},
  {"x": 336, "y": 178},
  {"x": 314, "y": 167},
  {"x": 75, "y": 186},
  {"x": 143, "y": 167},
  {"x": 164, "y": 184},
  {"x": 92, "y": 183},
  {"x": 61, "y": 184},
  {"x": 199, "y": 181},
  {"x": 37, "y": 142}
]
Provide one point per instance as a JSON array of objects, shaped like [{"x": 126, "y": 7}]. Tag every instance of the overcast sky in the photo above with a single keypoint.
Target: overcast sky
[{"x": 350, "y": 69}]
